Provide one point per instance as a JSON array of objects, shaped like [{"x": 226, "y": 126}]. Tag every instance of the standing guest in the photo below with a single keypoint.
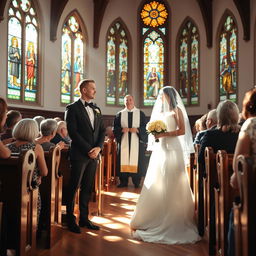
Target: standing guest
[
  {"x": 48, "y": 129},
  {"x": 130, "y": 133},
  {"x": 4, "y": 151},
  {"x": 61, "y": 134},
  {"x": 87, "y": 132},
  {"x": 13, "y": 117}
]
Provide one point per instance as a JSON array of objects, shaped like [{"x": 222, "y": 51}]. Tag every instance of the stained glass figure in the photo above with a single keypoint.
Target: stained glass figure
[
  {"x": 189, "y": 64},
  {"x": 228, "y": 60},
  {"x": 72, "y": 58},
  {"x": 117, "y": 64},
  {"x": 22, "y": 65},
  {"x": 154, "y": 37}
]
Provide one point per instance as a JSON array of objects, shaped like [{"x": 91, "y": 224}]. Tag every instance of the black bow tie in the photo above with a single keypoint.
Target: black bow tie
[{"x": 86, "y": 104}]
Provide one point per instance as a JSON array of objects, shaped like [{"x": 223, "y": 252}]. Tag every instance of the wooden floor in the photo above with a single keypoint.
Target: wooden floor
[{"x": 114, "y": 237}]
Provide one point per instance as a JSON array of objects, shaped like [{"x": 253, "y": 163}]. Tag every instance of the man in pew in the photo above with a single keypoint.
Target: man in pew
[
  {"x": 87, "y": 132},
  {"x": 211, "y": 122},
  {"x": 131, "y": 137},
  {"x": 61, "y": 133},
  {"x": 4, "y": 151}
]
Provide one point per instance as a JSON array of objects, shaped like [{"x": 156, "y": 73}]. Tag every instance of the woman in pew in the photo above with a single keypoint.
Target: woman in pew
[
  {"x": 25, "y": 133},
  {"x": 48, "y": 128},
  {"x": 225, "y": 136},
  {"x": 4, "y": 151},
  {"x": 246, "y": 145}
]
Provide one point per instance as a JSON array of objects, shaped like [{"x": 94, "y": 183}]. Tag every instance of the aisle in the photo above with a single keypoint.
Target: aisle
[{"x": 114, "y": 237}]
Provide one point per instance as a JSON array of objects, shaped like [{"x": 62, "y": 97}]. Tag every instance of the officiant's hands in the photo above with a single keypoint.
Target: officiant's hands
[
  {"x": 94, "y": 152},
  {"x": 124, "y": 130},
  {"x": 135, "y": 130}
]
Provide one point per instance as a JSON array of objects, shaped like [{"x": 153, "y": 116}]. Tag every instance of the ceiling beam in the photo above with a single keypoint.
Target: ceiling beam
[
  {"x": 243, "y": 7},
  {"x": 2, "y": 6},
  {"x": 206, "y": 10},
  {"x": 57, "y": 7},
  {"x": 99, "y": 10}
]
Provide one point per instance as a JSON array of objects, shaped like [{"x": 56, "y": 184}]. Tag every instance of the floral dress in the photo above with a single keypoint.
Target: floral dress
[{"x": 36, "y": 174}]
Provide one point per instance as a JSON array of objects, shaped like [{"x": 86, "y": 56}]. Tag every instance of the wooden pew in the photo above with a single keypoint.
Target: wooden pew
[
  {"x": 114, "y": 159},
  {"x": 245, "y": 207},
  {"x": 51, "y": 197},
  {"x": 107, "y": 163},
  {"x": 192, "y": 166},
  {"x": 19, "y": 199},
  {"x": 210, "y": 180},
  {"x": 224, "y": 195},
  {"x": 199, "y": 193}
]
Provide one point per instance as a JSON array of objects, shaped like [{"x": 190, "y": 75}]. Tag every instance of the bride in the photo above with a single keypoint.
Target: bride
[{"x": 165, "y": 210}]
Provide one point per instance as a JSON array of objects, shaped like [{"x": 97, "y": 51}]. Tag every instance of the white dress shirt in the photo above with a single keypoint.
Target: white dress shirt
[{"x": 90, "y": 112}]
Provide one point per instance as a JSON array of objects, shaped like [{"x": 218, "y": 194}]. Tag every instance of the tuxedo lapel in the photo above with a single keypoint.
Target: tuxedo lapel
[{"x": 84, "y": 113}]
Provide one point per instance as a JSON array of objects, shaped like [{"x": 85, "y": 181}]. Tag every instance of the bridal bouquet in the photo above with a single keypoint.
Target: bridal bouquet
[{"x": 156, "y": 127}]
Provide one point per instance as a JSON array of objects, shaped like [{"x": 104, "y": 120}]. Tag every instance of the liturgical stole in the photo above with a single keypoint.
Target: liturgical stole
[{"x": 129, "y": 156}]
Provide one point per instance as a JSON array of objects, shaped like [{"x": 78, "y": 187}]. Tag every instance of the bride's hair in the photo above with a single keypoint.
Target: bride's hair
[{"x": 170, "y": 92}]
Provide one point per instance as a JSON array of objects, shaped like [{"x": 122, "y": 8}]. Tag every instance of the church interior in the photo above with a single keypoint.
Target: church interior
[{"x": 205, "y": 49}]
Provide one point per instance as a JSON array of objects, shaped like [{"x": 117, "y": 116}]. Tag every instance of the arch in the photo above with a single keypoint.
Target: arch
[
  {"x": 227, "y": 52},
  {"x": 153, "y": 27},
  {"x": 74, "y": 42},
  {"x": 118, "y": 62},
  {"x": 24, "y": 41},
  {"x": 188, "y": 71}
]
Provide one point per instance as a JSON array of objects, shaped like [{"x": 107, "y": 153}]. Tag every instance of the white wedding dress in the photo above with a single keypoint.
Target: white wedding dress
[{"x": 165, "y": 208}]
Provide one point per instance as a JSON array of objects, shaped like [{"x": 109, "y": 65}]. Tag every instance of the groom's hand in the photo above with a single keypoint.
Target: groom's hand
[{"x": 94, "y": 152}]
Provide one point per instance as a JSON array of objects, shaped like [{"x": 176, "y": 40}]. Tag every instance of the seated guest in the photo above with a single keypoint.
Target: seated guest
[
  {"x": 246, "y": 145},
  {"x": 25, "y": 133},
  {"x": 211, "y": 122},
  {"x": 13, "y": 117},
  {"x": 4, "y": 151},
  {"x": 48, "y": 129},
  {"x": 38, "y": 119},
  {"x": 61, "y": 134},
  {"x": 200, "y": 125},
  {"x": 224, "y": 137},
  {"x": 57, "y": 119}
]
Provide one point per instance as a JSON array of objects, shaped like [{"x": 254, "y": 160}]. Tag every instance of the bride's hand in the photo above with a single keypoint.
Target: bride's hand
[{"x": 159, "y": 135}]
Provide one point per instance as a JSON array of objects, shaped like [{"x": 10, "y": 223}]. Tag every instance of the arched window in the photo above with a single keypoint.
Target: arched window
[
  {"x": 227, "y": 82},
  {"x": 23, "y": 49},
  {"x": 117, "y": 78},
  {"x": 153, "y": 17},
  {"x": 72, "y": 58},
  {"x": 188, "y": 77}
]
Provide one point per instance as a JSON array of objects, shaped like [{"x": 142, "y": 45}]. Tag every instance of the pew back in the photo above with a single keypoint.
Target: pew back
[
  {"x": 19, "y": 203},
  {"x": 245, "y": 208}
]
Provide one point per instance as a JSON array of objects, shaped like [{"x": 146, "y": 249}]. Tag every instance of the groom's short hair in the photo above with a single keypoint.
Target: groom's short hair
[{"x": 83, "y": 83}]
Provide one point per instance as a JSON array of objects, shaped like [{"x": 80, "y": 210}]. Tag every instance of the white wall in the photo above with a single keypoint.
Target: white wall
[{"x": 127, "y": 11}]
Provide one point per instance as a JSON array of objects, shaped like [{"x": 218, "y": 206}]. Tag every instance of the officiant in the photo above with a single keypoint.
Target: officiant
[{"x": 130, "y": 133}]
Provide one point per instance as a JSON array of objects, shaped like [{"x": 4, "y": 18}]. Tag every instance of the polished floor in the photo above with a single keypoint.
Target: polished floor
[{"x": 114, "y": 237}]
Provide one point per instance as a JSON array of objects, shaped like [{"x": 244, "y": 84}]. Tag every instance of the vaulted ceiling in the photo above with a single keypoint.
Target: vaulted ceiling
[{"x": 57, "y": 7}]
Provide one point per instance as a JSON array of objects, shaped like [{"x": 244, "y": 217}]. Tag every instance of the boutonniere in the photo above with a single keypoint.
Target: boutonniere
[{"x": 97, "y": 112}]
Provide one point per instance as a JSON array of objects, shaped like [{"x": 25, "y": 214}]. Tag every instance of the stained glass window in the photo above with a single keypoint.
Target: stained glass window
[
  {"x": 117, "y": 64},
  {"x": 23, "y": 38},
  {"x": 72, "y": 59},
  {"x": 154, "y": 41},
  {"x": 188, "y": 82},
  {"x": 228, "y": 60}
]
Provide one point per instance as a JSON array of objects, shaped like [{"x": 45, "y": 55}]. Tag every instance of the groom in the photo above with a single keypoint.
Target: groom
[{"x": 86, "y": 130}]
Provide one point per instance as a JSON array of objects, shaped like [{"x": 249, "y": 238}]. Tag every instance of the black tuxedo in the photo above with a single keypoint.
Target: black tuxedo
[{"x": 84, "y": 137}]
